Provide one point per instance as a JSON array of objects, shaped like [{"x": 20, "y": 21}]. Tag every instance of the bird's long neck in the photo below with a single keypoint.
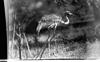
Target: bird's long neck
[{"x": 67, "y": 22}]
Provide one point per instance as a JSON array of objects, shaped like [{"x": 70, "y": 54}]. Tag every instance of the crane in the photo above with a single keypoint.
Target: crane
[{"x": 50, "y": 21}]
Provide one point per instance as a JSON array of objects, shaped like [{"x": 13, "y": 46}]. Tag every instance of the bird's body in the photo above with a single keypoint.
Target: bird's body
[{"x": 50, "y": 21}]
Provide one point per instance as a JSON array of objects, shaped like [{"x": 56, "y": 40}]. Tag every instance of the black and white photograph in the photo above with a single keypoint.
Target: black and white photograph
[{"x": 53, "y": 29}]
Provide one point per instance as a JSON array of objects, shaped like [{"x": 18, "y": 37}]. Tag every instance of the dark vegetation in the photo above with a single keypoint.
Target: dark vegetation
[{"x": 27, "y": 20}]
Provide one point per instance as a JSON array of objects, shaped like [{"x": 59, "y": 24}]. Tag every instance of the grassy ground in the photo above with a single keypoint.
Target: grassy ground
[{"x": 58, "y": 51}]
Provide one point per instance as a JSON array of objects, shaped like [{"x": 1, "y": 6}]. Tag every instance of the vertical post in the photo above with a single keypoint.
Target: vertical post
[{"x": 19, "y": 42}]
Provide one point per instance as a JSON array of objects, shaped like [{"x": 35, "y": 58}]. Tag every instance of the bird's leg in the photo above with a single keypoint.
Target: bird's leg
[
  {"x": 49, "y": 41},
  {"x": 54, "y": 35},
  {"x": 51, "y": 37},
  {"x": 49, "y": 46}
]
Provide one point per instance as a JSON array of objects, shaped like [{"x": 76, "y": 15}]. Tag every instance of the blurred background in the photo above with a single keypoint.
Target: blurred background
[{"x": 22, "y": 19}]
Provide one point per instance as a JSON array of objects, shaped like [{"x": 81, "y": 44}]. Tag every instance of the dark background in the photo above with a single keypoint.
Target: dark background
[{"x": 3, "y": 38}]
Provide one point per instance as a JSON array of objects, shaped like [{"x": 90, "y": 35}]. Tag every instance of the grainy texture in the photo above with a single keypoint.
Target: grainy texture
[{"x": 54, "y": 39}]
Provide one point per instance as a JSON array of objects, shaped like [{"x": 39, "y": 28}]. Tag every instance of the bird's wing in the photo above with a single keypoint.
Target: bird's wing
[{"x": 40, "y": 26}]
